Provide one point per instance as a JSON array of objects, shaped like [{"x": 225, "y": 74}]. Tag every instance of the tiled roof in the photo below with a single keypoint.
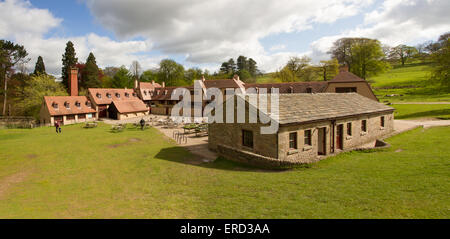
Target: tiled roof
[
  {"x": 346, "y": 76},
  {"x": 124, "y": 94},
  {"x": 292, "y": 87},
  {"x": 225, "y": 83},
  {"x": 129, "y": 106},
  {"x": 166, "y": 92},
  {"x": 298, "y": 108},
  {"x": 146, "y": 88},
  {"x": 57, "y": 105}
]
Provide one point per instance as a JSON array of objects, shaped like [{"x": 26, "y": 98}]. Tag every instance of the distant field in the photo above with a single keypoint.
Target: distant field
[
  {"x": 93, "y": 173},
  {"x": 411, "y": 83},
  {"x": 413, "y": 111}
]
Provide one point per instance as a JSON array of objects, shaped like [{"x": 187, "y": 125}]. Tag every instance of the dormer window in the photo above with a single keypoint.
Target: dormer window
[
  {"x": 108, "y": 95},
  {"x": 145, "y": 92},
  {"x": 88, "y": 104},
  {"x": 157, "y": 92},
  {"x": 99, "y": 95},
  {"x": 165, "y": 92},
  {"x": 77, "y": 104},
  {"x": 117, "y": 95},
  {"x": 134, "y": 94},
  {"x": 127, "y": 95},
  {"x": 55, "y": 105},
  {"x": 67, "y": 105}
]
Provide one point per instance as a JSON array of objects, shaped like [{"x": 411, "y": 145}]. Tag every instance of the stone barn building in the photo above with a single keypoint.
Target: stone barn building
[{"x": 310, "y": 126}]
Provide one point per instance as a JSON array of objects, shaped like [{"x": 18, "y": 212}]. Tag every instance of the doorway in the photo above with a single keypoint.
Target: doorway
[
  {"x": 339, "y": 137},
  {"x": 321, "y": 141}
]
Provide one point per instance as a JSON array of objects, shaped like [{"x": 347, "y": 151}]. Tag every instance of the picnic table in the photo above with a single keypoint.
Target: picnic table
[
  {"x": 118, "y": 127},
  {"x": 90, "y": 125}
]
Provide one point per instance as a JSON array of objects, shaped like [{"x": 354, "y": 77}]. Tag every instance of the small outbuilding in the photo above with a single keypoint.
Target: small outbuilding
[
  {"x": 310, "y": 126},
  {"x": 127, "y": 109}
]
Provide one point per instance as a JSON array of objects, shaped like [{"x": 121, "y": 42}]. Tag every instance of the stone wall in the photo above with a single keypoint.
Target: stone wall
[
  {"x": 249, "y": 158},
  {"x": 306, "y": 154},
  {"x": 131, "y": 115}
]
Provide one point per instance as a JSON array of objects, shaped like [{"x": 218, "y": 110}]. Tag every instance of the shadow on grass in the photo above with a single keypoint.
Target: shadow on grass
[
  {"x": 442, "y": 114},
  {"x": 181, "y": 155}
]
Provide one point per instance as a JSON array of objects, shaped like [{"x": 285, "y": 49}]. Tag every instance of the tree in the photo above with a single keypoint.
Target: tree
[
  {"x": 329, "y": 69},
  {"x": 403, "y": 53},
  {"x": 342, "y": 51},
  {"x": 90, "y": 75},
  {"x": 224, "y": 68},
  {"x": 242, "y": 63},
  {"x": 367, "y": 58},
  {"x": 39, "y": 68},
  {"x": 35, "y": 90},
  {"x": 149, "y": 76},
  {"x": 252, "y": 68},
  {"x": 232, "y": 68},
  {"x": 135, "y": 70},
  {"x": 441, "y": 66},
  {"x": 245, "y": 76},
  {"x": 122, "y": 79},
  {"x": 286, "y": 75},
  {"x": 10, "y": 55},
  {"x": 111, "y": 71},
  {"x": 297, "y": 64},
  {"x": 192, "y": 74},
  {"x": 171, "y": 72},
  {"x": 68, "y": 60}
]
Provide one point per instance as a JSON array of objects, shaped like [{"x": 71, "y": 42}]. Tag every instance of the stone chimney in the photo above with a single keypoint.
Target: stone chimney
[
  {"x": 203, "y": 78},
  {"x": 73, "y": 81},
  {"x": 343, "y": 68},
  {"x": 163, "y": 84},
  {"x": 153, "y": 83}
]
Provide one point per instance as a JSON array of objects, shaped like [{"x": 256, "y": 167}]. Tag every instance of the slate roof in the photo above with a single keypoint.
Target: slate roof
[
  {"x": 300, "y": 108},
  {"x": 296, "y": 87},
  {"x": 129, "y": 106},
  {"x": 124, "y": 94},
  {"x": 61, "y": 101}
]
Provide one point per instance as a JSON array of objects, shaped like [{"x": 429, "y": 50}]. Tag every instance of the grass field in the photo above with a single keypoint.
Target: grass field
[
  {"x": 416, "y": 111},
  {"x": 92, "y": 173},
  {"x": 411, "y": 82}
]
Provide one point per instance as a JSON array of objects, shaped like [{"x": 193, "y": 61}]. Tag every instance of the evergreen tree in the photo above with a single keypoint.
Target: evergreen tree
[
  {"x": 231, "y": 68},
  {"x": 122, "y": 79},
  {"x": 242, "y": 63},
  {"x": 252, "y": 68},
  {"x": 39, "y": 67},
  {"x": 90, "y": 74},
  {"x": 68, "y": 60}
]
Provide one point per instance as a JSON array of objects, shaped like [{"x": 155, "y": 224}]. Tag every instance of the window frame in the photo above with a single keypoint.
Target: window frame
[
  {"x": 363, "y": 125},
  {"x": 245, "y": 142},
  {"x": 307, "y": 138},
  {"x": 382, "y": 121},
  {"x": 349, "y": 129},
  {"x": 293, "y": 142}
]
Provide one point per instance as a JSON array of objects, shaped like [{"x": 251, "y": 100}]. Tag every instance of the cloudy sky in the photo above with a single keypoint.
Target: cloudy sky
[{"x": 204, "y": 33}]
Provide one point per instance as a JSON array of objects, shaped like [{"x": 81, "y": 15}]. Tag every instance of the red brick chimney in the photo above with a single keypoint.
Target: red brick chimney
[{"x": 73, "y": 81}]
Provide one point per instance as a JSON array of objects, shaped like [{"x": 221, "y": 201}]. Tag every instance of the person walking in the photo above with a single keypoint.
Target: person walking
[
  {"x": 57, "y": 127},
  {"x": 142, "y": 122}
]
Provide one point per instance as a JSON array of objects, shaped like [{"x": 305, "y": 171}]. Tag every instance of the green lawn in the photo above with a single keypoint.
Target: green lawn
[
  {"x": 412, "y": 111},
  {"x": 92, "y": 173},
  {"x": 410, "y": 82}
]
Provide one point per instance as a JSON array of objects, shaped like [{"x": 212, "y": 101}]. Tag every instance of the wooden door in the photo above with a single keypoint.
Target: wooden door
[
  {"x": 339, "y": 136},
  {"x": 321, "y": 140},
  {"x": 102, "y": 111}
]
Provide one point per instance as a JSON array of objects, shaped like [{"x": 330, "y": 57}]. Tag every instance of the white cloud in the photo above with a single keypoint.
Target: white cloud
[
  {"x": 278, "y": 47},
  {"x": 29, "y": 29},
  {"x": 396, "y": 22},
  {"x": 211, "y": 31}
]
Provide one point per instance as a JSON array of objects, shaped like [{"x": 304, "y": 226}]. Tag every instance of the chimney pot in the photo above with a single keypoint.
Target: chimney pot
[
  {"x": 163, "y": 84},
  {"x": 203, "y": 78}
]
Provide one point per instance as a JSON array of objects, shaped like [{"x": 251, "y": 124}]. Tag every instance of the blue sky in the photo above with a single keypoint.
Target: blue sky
[{"x": 203, "y": 33}]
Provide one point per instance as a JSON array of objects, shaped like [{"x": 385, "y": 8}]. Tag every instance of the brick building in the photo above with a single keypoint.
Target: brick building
[{"x": 310, "y": 125}]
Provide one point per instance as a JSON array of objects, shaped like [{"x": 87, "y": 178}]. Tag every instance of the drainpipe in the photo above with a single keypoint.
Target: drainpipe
[{"x": 333, "y": 135}]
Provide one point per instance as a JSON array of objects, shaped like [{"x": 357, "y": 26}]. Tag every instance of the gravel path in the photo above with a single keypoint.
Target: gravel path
[{"x": 420, "y": 103}]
